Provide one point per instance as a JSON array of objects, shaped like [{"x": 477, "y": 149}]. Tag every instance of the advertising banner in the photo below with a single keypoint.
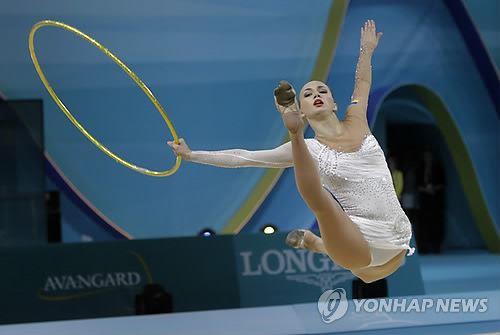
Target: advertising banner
[{"x": 74, "y": 281}]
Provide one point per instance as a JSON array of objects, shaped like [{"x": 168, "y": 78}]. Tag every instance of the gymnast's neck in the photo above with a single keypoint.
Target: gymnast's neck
[{"x": 327, "y": 127}]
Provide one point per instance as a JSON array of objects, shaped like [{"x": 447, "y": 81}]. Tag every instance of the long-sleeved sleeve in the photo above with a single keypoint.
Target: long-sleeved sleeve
[{"x": 280, "y": 157}]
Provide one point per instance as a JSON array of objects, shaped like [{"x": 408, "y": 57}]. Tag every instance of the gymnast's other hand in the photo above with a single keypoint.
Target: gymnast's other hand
[
  {"x": 369, "y": 36},
  {"x": 180, "y": 149}
]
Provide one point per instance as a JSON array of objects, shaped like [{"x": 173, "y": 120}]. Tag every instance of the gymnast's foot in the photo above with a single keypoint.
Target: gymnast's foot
[
  {"x": 284, "y": 97},
  {"x": 305, "y": 239},
  {"x": 295, "y": 238}
]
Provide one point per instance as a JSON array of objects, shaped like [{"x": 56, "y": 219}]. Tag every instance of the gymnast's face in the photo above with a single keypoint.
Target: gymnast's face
[{"x": 316, "y": 99}]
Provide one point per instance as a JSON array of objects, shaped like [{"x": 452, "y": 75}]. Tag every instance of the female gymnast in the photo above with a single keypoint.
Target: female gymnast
[{"x": 341, "y": 174}]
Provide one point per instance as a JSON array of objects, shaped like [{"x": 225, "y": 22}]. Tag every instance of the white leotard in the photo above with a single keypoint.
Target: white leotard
[{"x": 360, "y": 180}]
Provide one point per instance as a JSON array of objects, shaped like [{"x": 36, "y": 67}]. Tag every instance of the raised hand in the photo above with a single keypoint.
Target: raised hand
[{"x": 369, "y": 36}]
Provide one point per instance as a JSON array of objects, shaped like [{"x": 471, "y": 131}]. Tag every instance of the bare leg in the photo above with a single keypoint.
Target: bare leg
[
  {"x": 314, "y": 243},
  {"x": 341, "y": 238}
]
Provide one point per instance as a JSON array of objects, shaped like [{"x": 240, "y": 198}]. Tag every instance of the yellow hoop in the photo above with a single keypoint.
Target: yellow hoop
[{"x": 131, "y": 74}]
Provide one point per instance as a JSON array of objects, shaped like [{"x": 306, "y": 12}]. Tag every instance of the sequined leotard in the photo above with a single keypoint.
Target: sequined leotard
[
  {"x": 362, "y": 183},
  {"x": 360, "y": 180}
]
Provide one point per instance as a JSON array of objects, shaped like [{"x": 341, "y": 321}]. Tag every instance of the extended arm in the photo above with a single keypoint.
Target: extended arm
[
  {"x": 280, "y": 157},
  {"x": 363, "y": 77}
]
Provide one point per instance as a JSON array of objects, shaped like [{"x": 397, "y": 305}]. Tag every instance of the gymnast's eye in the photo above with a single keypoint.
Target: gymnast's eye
[{"x": 307, "y": 94}]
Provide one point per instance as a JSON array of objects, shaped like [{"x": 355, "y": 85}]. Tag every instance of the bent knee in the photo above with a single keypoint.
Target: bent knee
[
  {"x": 367, "y": 276},
  {"x": 352, "y": 264},
  {"x": 370, "y": 279}
]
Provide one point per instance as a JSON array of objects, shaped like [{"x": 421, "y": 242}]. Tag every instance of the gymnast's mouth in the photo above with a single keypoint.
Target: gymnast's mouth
[{"x": 318, "y": 102}]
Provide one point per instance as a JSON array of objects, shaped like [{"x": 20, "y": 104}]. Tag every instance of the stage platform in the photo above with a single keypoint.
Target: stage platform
[
  {"x": 460, "y": 272},
  {"x": 289, "y": 319}
]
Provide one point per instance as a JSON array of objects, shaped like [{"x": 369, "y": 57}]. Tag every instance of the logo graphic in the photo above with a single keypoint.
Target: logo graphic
[
  {"x": 60, "y": 287},
  {"x": 297, "y": 265},
  {"x": 323, "y": 280},
  {"x": 332, "y": 305}
]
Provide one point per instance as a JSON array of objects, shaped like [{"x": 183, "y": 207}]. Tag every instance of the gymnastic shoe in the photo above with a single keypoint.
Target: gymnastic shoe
[{"x": 295, "y": 238}]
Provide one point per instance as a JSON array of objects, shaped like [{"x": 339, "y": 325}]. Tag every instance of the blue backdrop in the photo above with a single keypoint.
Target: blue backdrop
[{"x": 213, "y": 66}]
